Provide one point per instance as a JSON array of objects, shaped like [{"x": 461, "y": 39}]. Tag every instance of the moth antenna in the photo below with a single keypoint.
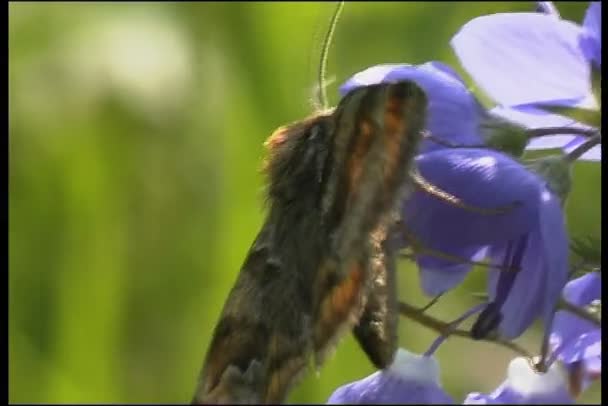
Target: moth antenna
[{"x": 321, "y": 94}]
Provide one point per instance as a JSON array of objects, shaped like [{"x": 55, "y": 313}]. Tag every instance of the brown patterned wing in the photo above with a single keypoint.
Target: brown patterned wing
[
  {"x": 376, "y": 329},
  {"x": 377, "y": 132},
  {"x": 260, "y": 344}
]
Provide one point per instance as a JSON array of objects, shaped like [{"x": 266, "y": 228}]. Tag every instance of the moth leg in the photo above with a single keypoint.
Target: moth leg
[
  {"x": 376, "y": 331},
  {"x": 418, "y": 248},
  {"x": 449, "y": 198}
]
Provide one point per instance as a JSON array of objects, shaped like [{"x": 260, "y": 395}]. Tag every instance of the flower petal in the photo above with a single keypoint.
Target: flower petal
[
  {"x": 525, "y": 386},
  {"x": 593, "y": 30},
  {"x": 438, "y": 278},
  {"x": 369, "y": 76},
  {"x": 555, "y": 250},
  {"x": 452, "y": 112},
  {"x": 575, "y": 341},
  {"x": 480, "y": 178},
  {"x": 522, "y": 58},
  {"x": 411, "y": 379},
  {"x": 522, "y": 305},
  {"x": 586, "y": 347},
  {"x": 544, "y": 271},
  {"x": 584, "y": 290},
  {"x": 439, "y": 275}
]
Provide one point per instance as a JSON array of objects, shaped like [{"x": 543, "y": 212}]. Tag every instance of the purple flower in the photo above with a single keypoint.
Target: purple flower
[
  {"x": 523, "y": 60},
  {"x": 592, "y": 36},
  {"x": 453, "y": 113},
  {"x": 528, "y": 234},
  {"x": 575, "y": 341},
  {"x": 411, "y": 379},
  {"x": 526, "y": 386}
]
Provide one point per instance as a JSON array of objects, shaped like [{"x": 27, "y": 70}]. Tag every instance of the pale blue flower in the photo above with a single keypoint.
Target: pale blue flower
[
  {"x": 525, "y": 386},
  {"x": 525, "y": 60},
  {"x": 578, "y": 342},
  {"x": 528, "y": 236},
  {"x": 411, "y": 379}
]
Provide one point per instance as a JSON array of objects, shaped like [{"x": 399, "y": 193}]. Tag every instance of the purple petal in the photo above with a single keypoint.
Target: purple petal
[
  {"x": 523, "y": 58},
  {"x": 445, "y": 68},
  {"x": 586, "y": 348},
  {"x": 412, "y": 379},
  {"x": 452, "y": 111},
  {"x": 567, "y": 331},
  {"x": 592, "y": 24},
  {"x": 521, "y": 306},
  {"x": 480, "y": 178},
  {"x": 543, "y": 274},
  {"x": 576, "y": 341},
  {"x": 439, "y": 275},
  {"x": 483, "y": 179},
  {"x": 369, "y": 76},
  {"x": 584, "y": 290},
  {"x": 525, "y": 386},
  {"x": 556, "y": 251}
]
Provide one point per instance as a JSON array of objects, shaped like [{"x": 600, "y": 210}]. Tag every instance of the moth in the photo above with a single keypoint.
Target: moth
[{"x": 323, "y": 261}]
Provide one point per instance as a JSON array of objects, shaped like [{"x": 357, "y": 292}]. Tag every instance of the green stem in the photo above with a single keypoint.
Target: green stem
[{"x": 413, "y": 313}]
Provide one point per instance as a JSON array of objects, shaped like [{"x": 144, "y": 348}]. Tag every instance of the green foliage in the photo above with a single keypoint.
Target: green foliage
[
  {"x": 589, "y": 250},
  {"x": 136, "y": 134}
]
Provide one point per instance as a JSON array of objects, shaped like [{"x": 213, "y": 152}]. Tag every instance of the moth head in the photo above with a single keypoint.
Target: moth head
[{"x": 297, "y": 155}]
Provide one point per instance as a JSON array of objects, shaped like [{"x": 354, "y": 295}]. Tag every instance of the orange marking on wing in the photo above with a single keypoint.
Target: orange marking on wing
[
  {"x": 282, "y": 379},
  {"x": 343, "y": 297},
  {"x": 355, "y": 164},
  {"x": 394, "y": 125}
]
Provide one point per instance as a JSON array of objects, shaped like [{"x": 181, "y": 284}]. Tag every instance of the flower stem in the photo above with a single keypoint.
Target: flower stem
[
  {"x": 541, "y": 132},
  {"x": 452, "y": 326},
  {"x": 584, "y": 147},
  {"x": 414, "y": 314},
  {"x": 542, "y": 365},
  {"x": 431, "y": 303}
]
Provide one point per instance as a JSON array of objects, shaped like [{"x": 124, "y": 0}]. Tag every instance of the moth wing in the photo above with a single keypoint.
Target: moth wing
[
  {"x": 261, "y": 342},
  {"x": 376, "y": 134},
  {"x": 376, "y": 331}
]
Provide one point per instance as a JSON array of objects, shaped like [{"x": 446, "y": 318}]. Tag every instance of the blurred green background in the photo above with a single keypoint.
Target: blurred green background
[{"x": 136, "y": 136}]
